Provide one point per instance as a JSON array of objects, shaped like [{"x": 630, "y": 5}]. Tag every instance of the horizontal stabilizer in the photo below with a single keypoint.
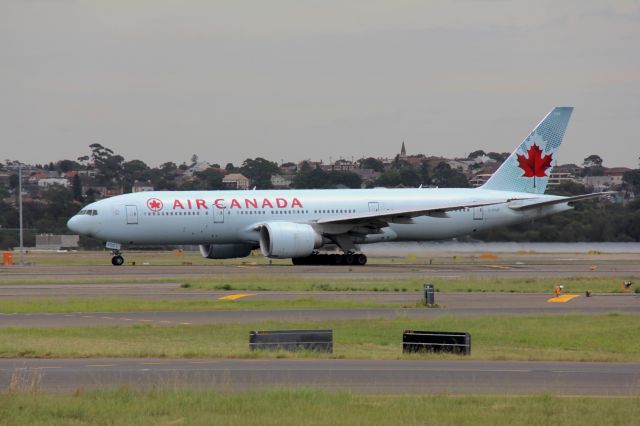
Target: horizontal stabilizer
[{"x": 534, "y": 205}]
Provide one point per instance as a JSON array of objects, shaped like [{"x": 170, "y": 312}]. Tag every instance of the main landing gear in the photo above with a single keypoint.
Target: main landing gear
[{"x": 357, "y": 259}]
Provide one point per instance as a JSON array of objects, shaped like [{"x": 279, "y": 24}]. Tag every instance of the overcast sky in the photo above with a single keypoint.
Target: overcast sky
[{"x": 300, "y": 79}]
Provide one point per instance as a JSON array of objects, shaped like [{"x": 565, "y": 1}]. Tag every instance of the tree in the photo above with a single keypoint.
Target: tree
[
  {"x": 631, "y": 180},
  {"x": 108, "y": 165},
  {"x": 476, "y": 154},
  {"x": 210, "y": 178},
  {"x": 311, "y": 179},
  {"x": 76, "y": 188},
  {"x": 67, "y": 165},
  {"x": 498, "y": 157},
  {"x": 132, "y": 171},
  {"x": 372, "y": 163},
  {"x": 321, "y": 179},
  {"x": 446, "y": 177},
  {"x": 163, "y": 177},
  {"x": 389, "y": 179},
  {"x": 259, "y": 171},
  {"x": 592, "y": 166}
]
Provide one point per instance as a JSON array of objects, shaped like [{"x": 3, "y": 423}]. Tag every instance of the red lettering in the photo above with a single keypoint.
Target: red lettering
[
  {"x": 296, "y": 202},
  {"x": 266, "y": 202},
  {"x": 218, "y": 202},
  {"x": 201, "y": 204},
  {"x": 189, "y": 204},
  {"x": 253, "y": 203},
  {"x": 176, "y": 204},
  {"x": 281, "y": 203},
  {"x": 235, "y": 203}
]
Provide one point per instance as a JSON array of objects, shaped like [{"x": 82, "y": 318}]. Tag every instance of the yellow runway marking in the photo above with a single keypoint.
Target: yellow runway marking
[
  {"x": 146, "y": 320},
  {"x": 185, "y": 323},
  {"x": 107, "y": 317},
  {"x": 563, "y": 299},
  {"x": 235, "y": 296}
]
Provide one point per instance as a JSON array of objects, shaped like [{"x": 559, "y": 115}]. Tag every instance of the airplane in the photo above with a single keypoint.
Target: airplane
[{"x": 297, "y": 224}]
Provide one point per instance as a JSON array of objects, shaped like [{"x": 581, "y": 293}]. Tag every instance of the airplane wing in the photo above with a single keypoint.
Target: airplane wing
[
  {"x": 383, "y": 217},
  {"x": 534, "y": 205}
]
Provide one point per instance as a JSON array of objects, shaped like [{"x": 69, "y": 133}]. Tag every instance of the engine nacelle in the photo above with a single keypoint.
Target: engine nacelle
[
  {"x": 224, "y": 251},
  {"x": 282, "y": 240}
]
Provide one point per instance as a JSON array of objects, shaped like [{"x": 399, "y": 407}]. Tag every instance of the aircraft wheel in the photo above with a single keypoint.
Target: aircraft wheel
[
  {"x": 336, "y": 259},
  {"x": 361, "y": 259},
  {"x": 117, "y": 260},
  {"x": 349, "y": 259}
]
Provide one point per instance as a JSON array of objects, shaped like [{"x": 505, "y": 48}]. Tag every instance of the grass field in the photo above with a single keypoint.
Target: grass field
[
  {"x": 301, "y": 282},
  {"x": 307, "y": 407},
  {"x": 611, "y": 337},
  {"x": 273, "y": 282},
  {"x": 144, "y": 305}
]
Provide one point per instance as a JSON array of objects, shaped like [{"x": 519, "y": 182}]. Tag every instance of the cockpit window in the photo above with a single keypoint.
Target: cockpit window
[
  {"x": 82, "y": 212},
  {"x": 89, "y": 212}
]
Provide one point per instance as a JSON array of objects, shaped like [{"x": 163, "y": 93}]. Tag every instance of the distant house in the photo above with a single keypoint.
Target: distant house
[
  {"x": 142, "y": 187},
  {"x": 236, "y": 181},
  {"x": 281, "y": 182},
  {"x": 558, "y": 178},
  {"x": 43, "y": 183}
]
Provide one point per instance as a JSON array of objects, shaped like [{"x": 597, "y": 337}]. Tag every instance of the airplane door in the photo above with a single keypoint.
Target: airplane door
[
  {"x": 374, "y": 206},
  {"x": 478, "y": 213},
  {"x": 218, "y": 215},
  {"x": 132, "y": 214}
]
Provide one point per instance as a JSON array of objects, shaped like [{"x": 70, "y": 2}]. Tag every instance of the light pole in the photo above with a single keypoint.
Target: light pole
[{"x": 20, "y": 213}]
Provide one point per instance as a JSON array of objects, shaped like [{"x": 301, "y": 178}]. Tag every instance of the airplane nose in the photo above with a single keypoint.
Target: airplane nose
[{"x": 74, "y": 224}]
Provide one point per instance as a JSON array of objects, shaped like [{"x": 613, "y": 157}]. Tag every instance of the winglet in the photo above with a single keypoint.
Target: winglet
[{"x": 528, "y": 168}]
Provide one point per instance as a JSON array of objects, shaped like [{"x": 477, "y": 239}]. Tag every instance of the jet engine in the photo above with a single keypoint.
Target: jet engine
[
  {"x": 224, "y": 251},
  {"x": 282, "y": 240}
]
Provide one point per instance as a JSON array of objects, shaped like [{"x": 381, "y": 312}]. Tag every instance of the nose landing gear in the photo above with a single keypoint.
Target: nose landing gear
[{"x": 117, "y": 259}]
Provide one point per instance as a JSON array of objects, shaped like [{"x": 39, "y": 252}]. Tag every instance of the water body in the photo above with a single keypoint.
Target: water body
[{"x": 492, "y": 247}]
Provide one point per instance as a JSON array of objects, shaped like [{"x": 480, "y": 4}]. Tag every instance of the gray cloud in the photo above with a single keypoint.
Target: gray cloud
[{"x": 160, "y": 80}]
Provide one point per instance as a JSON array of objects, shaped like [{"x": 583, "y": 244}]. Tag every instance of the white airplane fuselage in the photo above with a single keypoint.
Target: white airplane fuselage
[{"x": 228, "y": 217}]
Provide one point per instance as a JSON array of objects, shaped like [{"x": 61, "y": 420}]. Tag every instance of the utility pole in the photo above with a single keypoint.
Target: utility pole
[{"x": 20, "y": 213}]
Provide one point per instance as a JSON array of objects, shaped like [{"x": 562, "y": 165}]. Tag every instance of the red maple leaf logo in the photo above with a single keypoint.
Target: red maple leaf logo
[
  {"x": 154, "y": 204},
  {"x": 535, "y": 165}
]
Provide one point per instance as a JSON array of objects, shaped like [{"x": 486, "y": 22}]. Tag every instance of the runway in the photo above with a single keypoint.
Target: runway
[
  {"x": 522, "y": 267},
  {"x": 450, "y": 304},
  {"x": 386, "y": 377}
]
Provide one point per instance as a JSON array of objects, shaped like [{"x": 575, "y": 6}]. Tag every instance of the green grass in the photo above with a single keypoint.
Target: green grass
[
  {"x": 611, "y": 337},
  {"x": 307, "y": 407},
  {"x": 301, "y": 282},
  {"x": 290, "y": 282},
  {"x": 146, "y": 305}
]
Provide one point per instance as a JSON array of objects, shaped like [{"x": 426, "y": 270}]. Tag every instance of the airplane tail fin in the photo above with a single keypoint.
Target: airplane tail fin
[{"x": 528, "y": 168}]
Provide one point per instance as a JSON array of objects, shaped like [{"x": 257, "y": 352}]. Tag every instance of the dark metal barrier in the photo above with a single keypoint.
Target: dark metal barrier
[
  {"x": 429, "y": 295},
  {"x": 292, "y": 340},
  {"x": 436, "y": 341}
]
